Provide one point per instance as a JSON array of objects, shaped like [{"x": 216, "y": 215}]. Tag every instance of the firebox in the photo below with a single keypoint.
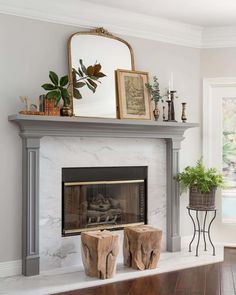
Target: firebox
[{"x": 103, "y": 198}]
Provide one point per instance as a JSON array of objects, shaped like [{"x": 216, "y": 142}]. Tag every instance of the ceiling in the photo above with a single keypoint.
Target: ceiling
[{"x": 206, "y": 13}]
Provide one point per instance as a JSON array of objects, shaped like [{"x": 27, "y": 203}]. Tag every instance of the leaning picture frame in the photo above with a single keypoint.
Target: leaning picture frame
[{"x": 133, "y": 98}]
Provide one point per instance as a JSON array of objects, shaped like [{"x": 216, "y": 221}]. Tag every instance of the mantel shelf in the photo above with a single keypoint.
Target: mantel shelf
[{"x": 39, "y": 126}]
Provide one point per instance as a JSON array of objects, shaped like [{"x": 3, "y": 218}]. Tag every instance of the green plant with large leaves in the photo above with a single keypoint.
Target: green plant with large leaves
[
  {"x": 200, "y": 177},
  {"x": 86, "y": 76},
  {"x": 57, "y": 89}
]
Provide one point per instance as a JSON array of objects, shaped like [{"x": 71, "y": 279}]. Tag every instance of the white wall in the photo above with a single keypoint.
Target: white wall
[
  {"x": 28, "y": 50},
  {"x": 218, "y": 62}
]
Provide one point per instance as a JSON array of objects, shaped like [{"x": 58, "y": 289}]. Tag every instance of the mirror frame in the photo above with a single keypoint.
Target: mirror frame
[{"x": 95, "y": 32}]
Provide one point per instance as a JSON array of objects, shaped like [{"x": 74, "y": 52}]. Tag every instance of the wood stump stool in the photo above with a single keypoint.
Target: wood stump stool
[
  {"x": 99, "y": 252},
  {"x": 142, "y": 245}
]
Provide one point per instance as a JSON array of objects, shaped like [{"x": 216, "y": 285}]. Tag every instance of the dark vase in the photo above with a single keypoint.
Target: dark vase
[{"x": 66, "y": 111}]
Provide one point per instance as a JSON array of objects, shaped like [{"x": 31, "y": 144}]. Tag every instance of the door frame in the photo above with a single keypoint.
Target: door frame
[{"x": 208, "y": 85}]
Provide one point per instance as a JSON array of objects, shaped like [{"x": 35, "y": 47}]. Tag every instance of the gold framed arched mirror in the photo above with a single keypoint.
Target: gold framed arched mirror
[{"x": 94, "y": 94}]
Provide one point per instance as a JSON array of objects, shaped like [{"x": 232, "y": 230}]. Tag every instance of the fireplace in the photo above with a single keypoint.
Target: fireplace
[{"x": 103, "y": 198}]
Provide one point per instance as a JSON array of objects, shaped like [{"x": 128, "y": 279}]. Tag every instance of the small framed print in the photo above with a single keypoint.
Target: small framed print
[{"x": 134, "y": 101}]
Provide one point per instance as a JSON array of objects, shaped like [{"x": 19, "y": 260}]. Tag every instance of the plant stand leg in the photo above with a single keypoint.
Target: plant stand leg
[
  {"x": 194, "y": 233},
  {"x": 204, "y": 231},
  {"x": 209, "y": 234},
  {"x": 199, "y": 232}
]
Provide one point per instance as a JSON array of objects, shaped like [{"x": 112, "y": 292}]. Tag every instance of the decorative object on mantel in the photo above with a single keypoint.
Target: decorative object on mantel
[
  {"x": 142, "y": 246},
  {"x": 86, "y": 76},
  {"x": 133, "y": 96},
  {"x": 58, "y": 90},
  {"x": 154, "y": 90},
  {"x": 183, "y": 116},
  {"x": 202, "y": 184},
  {"x": 31, "y": 105},
  {"x": 31, "y": 113},
  {"x": 163, "y": 113},
  {"x": 171, "y": 106},
  {"x": 99, "y": 252},
  {"x": 114, "y": 53}
]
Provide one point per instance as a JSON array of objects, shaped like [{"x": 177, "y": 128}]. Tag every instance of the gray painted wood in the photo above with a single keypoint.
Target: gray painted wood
[
  {"x": 30, "y": 206},
  {"x": 32, "y": 128}
]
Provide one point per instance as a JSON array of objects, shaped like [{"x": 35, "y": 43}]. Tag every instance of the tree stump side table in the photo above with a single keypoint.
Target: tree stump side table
[
  {"x": 142, "y": 246},
  {"x": 99, "y": 253}
]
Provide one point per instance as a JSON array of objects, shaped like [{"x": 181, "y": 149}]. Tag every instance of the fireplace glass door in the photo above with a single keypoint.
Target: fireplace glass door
[{"x": 102, "y": 204}]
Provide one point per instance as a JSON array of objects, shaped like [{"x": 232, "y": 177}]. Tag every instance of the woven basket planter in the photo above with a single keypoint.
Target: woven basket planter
[{"x": 201, "y": 200}]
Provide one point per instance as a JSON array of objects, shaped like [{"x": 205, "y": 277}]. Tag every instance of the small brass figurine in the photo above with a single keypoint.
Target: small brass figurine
[{"x": 183, "y": 116}]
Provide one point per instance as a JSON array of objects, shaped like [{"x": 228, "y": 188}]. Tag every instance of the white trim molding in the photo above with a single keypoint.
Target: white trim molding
[
  {"x": 208, "y": 85},
  {"x": 219, "y": 37},
  {"x": 10, "y": 268},
  {"x": 80, "y": 13}
]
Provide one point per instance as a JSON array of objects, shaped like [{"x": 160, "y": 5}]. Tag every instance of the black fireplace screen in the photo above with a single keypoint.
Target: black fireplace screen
[{"x": 107, "y": 201}]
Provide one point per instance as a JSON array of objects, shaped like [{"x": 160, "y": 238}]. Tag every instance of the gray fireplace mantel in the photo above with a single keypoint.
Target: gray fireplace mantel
[{"x": 32, "y": 128}]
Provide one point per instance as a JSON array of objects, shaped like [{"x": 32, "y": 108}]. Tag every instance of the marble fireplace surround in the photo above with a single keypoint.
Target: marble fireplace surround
[{"x": 33, "y": 128}]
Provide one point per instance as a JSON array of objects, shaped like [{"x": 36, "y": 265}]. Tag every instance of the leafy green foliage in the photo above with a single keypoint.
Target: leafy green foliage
[
  {"x": 86, "y": 76},
  {"x": 56, "y": 89},
  {"x": 154, "y": 90},
  {"x": 203, "y": 179}
]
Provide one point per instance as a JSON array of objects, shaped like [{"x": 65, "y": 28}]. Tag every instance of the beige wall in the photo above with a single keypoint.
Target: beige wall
[
  {"x": 28, "y": 50},
  {"x": 218, "y": 62}
]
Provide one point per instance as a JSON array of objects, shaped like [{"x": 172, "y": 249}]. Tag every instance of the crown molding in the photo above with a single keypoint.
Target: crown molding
[
  {"x": 80, "y": 13},
  {"x": 219, "y": 37}
]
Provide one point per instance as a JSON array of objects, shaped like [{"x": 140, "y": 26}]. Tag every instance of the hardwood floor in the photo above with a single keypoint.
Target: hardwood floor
[{"x": 213, "y": 279}]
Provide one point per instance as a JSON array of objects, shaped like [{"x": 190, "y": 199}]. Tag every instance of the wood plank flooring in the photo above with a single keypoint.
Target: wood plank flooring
[{"x": 213, "y": 279}]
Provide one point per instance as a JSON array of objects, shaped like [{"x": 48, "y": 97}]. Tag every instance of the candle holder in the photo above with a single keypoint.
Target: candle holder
[
  {"x": 183, "y": 116},
  {"x": 171, "y": 107},
  {"x": 163, "y": 113}
]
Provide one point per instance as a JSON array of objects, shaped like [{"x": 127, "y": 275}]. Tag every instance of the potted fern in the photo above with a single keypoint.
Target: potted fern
[{"x": 202, "y": 184}]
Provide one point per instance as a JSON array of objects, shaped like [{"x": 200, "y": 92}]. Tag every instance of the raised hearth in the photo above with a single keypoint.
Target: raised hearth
[{"x": 32, "y": 128}]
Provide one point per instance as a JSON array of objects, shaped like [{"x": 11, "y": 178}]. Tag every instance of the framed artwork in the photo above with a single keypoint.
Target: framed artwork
[{"x": 134, "y": 101}]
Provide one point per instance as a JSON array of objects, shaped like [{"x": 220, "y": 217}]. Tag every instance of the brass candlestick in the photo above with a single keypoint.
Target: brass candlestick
[{"x": 183, "y": 116}]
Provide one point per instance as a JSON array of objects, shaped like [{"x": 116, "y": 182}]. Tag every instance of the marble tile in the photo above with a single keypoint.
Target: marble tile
[
  {"x": 56, "y": 153},
  {"x": 72, "y": 278}
]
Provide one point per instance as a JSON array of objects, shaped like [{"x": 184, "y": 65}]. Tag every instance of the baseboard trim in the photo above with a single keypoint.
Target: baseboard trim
[{"x": 10, "y": 268}]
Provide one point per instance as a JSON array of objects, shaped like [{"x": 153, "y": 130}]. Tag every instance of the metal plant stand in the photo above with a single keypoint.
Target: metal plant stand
[{"x": 199, "y": 230}]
